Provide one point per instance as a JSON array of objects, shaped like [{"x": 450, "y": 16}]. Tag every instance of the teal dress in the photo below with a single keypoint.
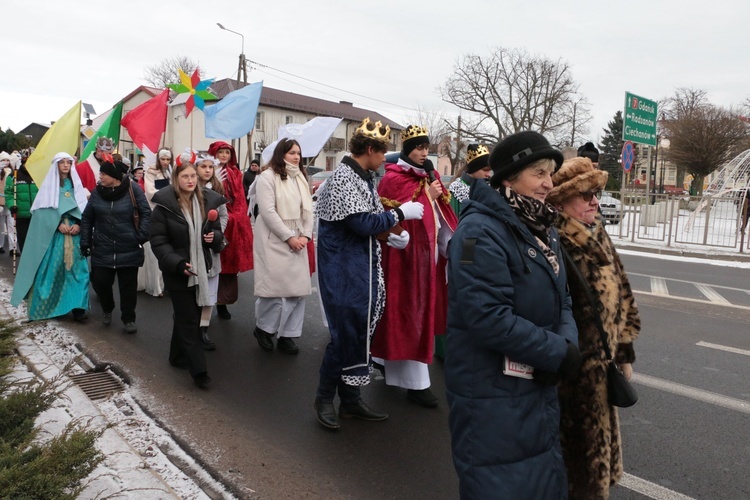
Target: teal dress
[{"x": 53, "y": 276}]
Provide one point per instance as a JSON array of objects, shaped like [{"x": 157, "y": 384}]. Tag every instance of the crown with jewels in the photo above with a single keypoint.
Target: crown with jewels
[
  {"x": 413, "y": 131},
  {"x": 375, "y": 130},
  {"x": 472, "y": 153}
]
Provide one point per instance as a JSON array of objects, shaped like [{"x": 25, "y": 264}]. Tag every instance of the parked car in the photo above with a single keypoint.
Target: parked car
[
  {"x": 317, "y": 179},
  {"x": 610, "y": 207},
  {"x": 312, "y": 171}
]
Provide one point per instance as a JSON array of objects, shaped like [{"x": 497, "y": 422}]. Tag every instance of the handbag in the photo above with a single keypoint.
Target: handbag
[
  {"x": 136, "y": 214},
  {"x": 620, "y": 392}
]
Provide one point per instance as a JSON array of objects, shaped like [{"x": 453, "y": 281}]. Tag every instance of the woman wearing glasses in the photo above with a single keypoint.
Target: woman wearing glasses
[{"x": 589, "y": 426}]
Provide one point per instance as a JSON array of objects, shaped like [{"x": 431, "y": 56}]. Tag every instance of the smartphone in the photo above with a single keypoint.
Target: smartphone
[{"x": 191, "y": 272}]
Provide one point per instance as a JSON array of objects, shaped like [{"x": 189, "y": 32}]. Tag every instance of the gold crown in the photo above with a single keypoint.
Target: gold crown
[
  {"x": 375, "y": 130},
  {"x": 413, "y": 131},
  {"x": 472, "y": 154}
]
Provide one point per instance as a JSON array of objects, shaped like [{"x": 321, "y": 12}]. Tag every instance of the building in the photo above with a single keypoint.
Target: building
[{"x": 277, "y": 107}]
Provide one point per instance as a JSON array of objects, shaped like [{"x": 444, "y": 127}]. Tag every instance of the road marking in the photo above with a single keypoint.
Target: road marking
[
  {"x": 688, "y": 299},
  {"x": 649, "y": 489},
  {"x": 723, "y": 348},
  {"x": 693, "y": 393},
  {"x": 659, "y": 286},
  {"x": 711, "y": 294}
]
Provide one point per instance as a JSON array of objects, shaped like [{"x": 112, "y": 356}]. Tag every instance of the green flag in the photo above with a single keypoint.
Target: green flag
[{"x": 109, "y": 128}]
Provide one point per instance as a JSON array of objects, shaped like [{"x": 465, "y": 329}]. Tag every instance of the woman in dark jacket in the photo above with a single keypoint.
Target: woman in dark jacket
[
  {"x": 109, "y": 235},
  {"x": 511, "y": 334},
  {"x": 182, "y": 239}
]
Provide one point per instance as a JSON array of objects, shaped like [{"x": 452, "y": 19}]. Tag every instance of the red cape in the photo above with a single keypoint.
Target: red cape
[
  {"x": 87, "y": 175},
  {"x": 416, "y": 292},
  {"x": 237, "y": 257}
]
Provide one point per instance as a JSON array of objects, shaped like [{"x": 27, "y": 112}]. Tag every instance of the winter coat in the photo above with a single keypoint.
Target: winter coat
[
  {"x": 170, "y": 236},
  {"x": 504, "y": 299},
  {"x": 152, "y": 177},
  {"x": 107, "y": 226},
  {"x": 25, "y": 193},
  {"x": 279, "y": 272},
  {"x": 590, "y": 431}
]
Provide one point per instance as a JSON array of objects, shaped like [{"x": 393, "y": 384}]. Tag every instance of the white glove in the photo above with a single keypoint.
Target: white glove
[
  {"x": 221, "y": 173},
  {"x": 399, "y": 241},
  {"x": 412, "y": 210}
]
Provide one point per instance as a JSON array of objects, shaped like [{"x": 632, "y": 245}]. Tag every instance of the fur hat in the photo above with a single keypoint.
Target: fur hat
[
  {"x": 589, "y": 151},
  {"x": 517, "y": 151},
  {"x": 576, "y": 176}
]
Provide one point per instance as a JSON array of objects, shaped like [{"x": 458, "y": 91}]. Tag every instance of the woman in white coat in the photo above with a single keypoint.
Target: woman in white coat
[
  {"x": 282, "y": 231},
  {"x": 155, "y": 177}
]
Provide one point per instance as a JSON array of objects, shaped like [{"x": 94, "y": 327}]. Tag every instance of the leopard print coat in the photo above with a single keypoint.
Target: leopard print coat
[{"x": 589, "y": 426}]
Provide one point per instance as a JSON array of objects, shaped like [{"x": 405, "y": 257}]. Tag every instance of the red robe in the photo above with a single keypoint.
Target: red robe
[
  {"x": 237, "y": 257},
  {"x": 86, "y": 173},
  {"x": 416, "y": 300}
]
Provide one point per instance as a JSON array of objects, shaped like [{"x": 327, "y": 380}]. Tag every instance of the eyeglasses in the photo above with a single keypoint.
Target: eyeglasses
[{"x": 589, "y": 195}]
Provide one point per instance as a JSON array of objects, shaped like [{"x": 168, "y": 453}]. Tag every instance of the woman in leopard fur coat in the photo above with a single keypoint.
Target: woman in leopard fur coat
[{"x": 589, "y": 426}]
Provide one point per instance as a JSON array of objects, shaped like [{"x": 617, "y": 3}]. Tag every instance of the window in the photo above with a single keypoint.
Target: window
[
  {"x": 330, "y": 162},
  {"x": 289, "y": 119},
  {"x": 259, "y": 121}
]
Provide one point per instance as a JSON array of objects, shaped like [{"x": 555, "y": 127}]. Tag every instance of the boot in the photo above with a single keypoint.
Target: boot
[
  {"x": 360, "y": 410},
  {"x": 208, "y": 344},
  {"x": 326, "y": 414},
  {"x": 423, "y": 397},
  {"x": 265, "y": 339},
  {"x": 223, "y": 312}
]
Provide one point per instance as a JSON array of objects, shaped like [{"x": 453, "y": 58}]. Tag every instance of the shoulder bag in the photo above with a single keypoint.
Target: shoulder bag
[
  {"x": 620, "y": 392},
  {"x": 136, "y": 214}
]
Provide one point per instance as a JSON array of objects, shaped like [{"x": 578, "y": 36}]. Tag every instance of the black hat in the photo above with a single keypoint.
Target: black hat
[
  {"x": 477, "y": 157},
  {"x": 115, "y": 170},
  {"x": 589, "y": 151},
  {"x": 515, "y": 152}
]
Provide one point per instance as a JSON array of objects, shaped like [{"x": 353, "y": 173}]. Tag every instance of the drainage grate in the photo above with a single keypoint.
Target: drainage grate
[{"x": 98, "y": 385}]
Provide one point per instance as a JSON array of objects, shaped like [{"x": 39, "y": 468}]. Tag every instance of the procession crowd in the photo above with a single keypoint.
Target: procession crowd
[{"x": 507, "y": 274}]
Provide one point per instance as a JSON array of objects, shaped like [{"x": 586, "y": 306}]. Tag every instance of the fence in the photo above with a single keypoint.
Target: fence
[{"x": 714, "y": 221}]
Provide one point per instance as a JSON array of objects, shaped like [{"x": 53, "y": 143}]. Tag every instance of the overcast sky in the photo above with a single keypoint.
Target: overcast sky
[{"x": 59, "y": 52}]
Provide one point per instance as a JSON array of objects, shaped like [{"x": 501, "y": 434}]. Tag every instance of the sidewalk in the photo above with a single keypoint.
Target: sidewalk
[
  {"x": 141, "y": 460},
  {"x": 693, "y": 252}
]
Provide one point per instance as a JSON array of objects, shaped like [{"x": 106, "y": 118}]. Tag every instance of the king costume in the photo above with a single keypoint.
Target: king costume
[{"x": 415, "y": 278}]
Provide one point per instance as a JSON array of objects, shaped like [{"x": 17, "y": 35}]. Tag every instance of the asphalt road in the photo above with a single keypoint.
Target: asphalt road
[{"x": 256, "y": 429}]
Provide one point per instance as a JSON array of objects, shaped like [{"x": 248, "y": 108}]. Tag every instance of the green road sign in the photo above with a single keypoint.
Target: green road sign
[{"x": 639, "y": 124}]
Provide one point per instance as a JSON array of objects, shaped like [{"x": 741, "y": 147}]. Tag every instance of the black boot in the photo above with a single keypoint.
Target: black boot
[
  {"x": 362, "y": 411},
  {"x": 422, "y": 397},
  {"x": 223, "y": 312},
  {"x": 265, "y": 339},
  {"x": 326, "y": 414},
  {"x": 208, "y": 344}
]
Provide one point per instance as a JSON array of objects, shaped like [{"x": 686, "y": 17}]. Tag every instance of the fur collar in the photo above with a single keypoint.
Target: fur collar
[{"x": 575, "y": 234}]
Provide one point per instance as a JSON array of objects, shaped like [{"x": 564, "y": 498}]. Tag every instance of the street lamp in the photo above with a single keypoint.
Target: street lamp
[
  {"x": 663, "y": 144},
  {"x": 242, "y": 68}
]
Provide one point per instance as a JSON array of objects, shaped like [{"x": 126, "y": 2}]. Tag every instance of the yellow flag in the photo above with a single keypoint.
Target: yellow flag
[{"x": 63, "y": 135}]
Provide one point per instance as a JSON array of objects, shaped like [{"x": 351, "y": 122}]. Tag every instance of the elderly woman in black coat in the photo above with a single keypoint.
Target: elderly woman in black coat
[
  {"x": 109, "y": 234},
  {"x": 182, "y": 238}
]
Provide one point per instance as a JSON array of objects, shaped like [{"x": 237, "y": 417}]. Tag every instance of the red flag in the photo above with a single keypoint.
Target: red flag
[{"x": 147, "y": 122}]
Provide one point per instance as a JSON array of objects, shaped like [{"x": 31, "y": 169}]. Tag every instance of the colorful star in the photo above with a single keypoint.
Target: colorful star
[{"x": 197, "y": 88}]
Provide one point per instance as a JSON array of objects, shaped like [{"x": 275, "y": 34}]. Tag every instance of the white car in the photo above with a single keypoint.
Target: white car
[{"x": 611, "y": 208}]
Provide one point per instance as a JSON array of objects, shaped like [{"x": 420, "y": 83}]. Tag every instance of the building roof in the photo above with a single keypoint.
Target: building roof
[{"x": 297, "y": 102}]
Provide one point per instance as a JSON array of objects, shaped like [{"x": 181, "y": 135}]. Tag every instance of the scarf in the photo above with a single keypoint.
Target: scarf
[
  {"x": 292, "y": 195},
  {"x": 537, "y": 216},
  {"x": 197, "y": 259},
  {"x": 114, "y": 193}
]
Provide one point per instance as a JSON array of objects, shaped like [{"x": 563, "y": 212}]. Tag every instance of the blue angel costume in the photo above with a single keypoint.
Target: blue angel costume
[
  {"x": 53, "y": 276},
  {"x": 350, "y": 276}
]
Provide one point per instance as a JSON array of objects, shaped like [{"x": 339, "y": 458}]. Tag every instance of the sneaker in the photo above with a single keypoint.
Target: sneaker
[
  {"x": 287, "y": 345},
  {"x": 107, "y": 319},
  {"x": 130, "y": 327}
]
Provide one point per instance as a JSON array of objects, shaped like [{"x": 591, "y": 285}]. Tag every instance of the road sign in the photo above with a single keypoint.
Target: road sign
[
  {"x": 628, "y": 156},
  {"x": 639, "y": 124}
]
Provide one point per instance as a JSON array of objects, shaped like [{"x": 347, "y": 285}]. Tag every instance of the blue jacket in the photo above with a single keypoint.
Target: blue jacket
[
  {"x": 504, "y": 299},
  {"x": 107, "y": 226}
]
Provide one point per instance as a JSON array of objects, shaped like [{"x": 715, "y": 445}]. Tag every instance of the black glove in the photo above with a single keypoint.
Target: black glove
[
  {"x": 13, "y": 209},
  {"x": 85, "y": 251},
  {"x": 571, "y": 363}
]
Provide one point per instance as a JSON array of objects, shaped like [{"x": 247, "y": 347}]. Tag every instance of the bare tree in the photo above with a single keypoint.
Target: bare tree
[
  {"x": 165, "y": 72},
  {"x": 441, "y": 131},
  {"x": 703, "y": 136},
  {"x": 510, "y": 91}
]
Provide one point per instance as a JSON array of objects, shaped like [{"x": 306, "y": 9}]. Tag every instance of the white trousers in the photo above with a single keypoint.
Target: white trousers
[
  {"x": 407, "y": 374},
  {"x": 282, "y": 315}
]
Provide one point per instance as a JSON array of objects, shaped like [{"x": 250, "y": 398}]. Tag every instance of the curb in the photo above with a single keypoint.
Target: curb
[{"x": 679, "y": 252}]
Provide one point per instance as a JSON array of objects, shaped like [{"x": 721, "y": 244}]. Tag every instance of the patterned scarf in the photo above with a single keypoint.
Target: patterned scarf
[{"x": 537, "y": 216}]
